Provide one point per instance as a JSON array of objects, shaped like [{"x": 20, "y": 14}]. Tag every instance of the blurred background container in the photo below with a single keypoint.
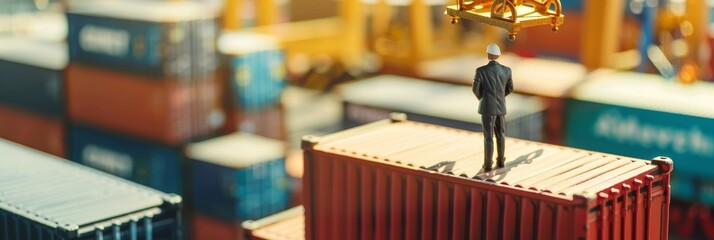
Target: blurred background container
[{"x": 125, "y": 86}]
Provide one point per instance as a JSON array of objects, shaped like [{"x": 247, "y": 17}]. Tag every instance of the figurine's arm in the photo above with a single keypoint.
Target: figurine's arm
[
  {"x": 477, "y": 85},
  {"x": 509, "y": 84}
]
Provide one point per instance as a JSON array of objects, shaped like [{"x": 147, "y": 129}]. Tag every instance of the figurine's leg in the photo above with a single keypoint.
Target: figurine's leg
[
  {"x": 500, "y": 128},
  {"x": 487, "y": 121}
]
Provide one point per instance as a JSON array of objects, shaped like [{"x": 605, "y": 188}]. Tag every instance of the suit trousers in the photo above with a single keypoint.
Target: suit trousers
[{"x": 493, "y": 124}]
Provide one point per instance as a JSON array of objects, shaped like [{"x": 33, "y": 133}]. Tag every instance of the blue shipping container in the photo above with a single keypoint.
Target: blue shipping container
[
  {"x": 32, "y": 76},
  {"x": 257, "y": 69},
  {"x": 238, "y": 177},
  {"x": 152, "y": 38},
  {"x": 143, "y": 162}
]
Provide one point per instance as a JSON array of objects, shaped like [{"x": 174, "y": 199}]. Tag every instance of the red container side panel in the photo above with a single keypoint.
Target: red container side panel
[
  {"x": 32, "y": 130},
  {"x": 397, "y": 195},
  {"x": 407, "y": 180},
  {"x": 162, "y": 110},
  {"x": 268, "y": 122},
  {"x": 207, "y": 228}
]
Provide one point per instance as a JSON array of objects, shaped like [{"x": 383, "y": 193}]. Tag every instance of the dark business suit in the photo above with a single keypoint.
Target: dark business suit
[{"x": 492, "y": 84}]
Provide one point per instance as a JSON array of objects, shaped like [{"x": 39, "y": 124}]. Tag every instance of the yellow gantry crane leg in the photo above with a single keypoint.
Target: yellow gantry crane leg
[
  {"x": 421, "y": 29},
  {"x": 354, "y": 34},
  {"x": 601, "y": 31},
  {"x": 267, "y": 12},
  {"x": 231, "y": 16}
]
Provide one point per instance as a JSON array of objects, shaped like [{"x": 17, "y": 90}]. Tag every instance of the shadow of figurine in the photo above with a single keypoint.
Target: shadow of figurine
[
  {"x": 447, "y": 165},
  {"x": 503, "y": 172}
]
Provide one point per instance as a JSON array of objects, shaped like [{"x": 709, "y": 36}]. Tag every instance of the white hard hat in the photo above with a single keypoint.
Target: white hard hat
[{"x": 493, "y": 49}]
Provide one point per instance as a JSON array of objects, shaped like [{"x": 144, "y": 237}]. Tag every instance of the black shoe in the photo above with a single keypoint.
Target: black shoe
[
  {"x": 487, "y": 169},
  {"x": 500, "y": 163}
]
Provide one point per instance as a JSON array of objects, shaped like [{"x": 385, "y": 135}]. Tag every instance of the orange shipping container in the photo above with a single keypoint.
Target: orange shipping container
[
  {"x": 162, "y": 110},
  {"x": 268, "y": 122},
  {"x": 206, "y": 228},
  {"x": 41, "y": 133},
  {"x": 411, "y": 180}
]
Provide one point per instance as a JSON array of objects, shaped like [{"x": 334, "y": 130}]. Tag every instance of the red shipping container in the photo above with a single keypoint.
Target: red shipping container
[
  {"x": 286, "y": 225},
  {"x": 566, "y": 42},
  {"x": 412, "y": 180},
  {"x": 268, "y": 122},
  {"x": 691, "y": 220},
  {"x": 163, "y": 110},
  {"x": 207, "y": 228},
  {"x": 35, "y": 131}
]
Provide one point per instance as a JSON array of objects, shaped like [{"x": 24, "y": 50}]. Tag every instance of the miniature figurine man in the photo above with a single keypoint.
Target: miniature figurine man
[{"x": 492, "y": 84}]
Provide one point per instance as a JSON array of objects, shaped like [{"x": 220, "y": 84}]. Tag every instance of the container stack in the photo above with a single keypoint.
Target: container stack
[
  {"x": 255, "y": 73},
  {"x": 45, "y": 197},
  {"x": 32, "y": 96},
  {"x": 140, "y": 84},
  {"x": 444, "y": 104},
  {"x": 236, "y": 177}
]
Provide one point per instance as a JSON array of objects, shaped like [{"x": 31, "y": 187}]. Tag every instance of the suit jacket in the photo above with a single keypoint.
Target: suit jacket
[{"x": 491, "y": 85}]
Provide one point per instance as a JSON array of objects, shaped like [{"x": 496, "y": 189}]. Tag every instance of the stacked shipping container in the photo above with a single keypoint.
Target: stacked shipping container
[
  {"x": 236, "y": 177},
  {"x": 44, "y": 197},
  {"x": 407, "y": 180},
  {"x": 141, "y": 85},
  {"x": 255, "y": 73},
  {"x": 32, "y": 93}
]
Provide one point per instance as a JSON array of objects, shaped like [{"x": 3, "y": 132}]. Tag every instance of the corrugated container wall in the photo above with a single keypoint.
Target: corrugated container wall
[
  {"x": 411, "y": 180},
  {"x": 44, "y": 197}
]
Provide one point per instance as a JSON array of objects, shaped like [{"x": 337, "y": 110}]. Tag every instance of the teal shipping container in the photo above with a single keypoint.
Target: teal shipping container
[{"x": 643, "y": 116}]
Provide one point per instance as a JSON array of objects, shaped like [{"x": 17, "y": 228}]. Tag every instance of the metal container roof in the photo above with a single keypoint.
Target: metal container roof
[
  {"x": 65, "y": 195},
  {"x": 456, "y": 153},
  {"x": 647, "y": 91},
  {"x": 237, "y": 150}
]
